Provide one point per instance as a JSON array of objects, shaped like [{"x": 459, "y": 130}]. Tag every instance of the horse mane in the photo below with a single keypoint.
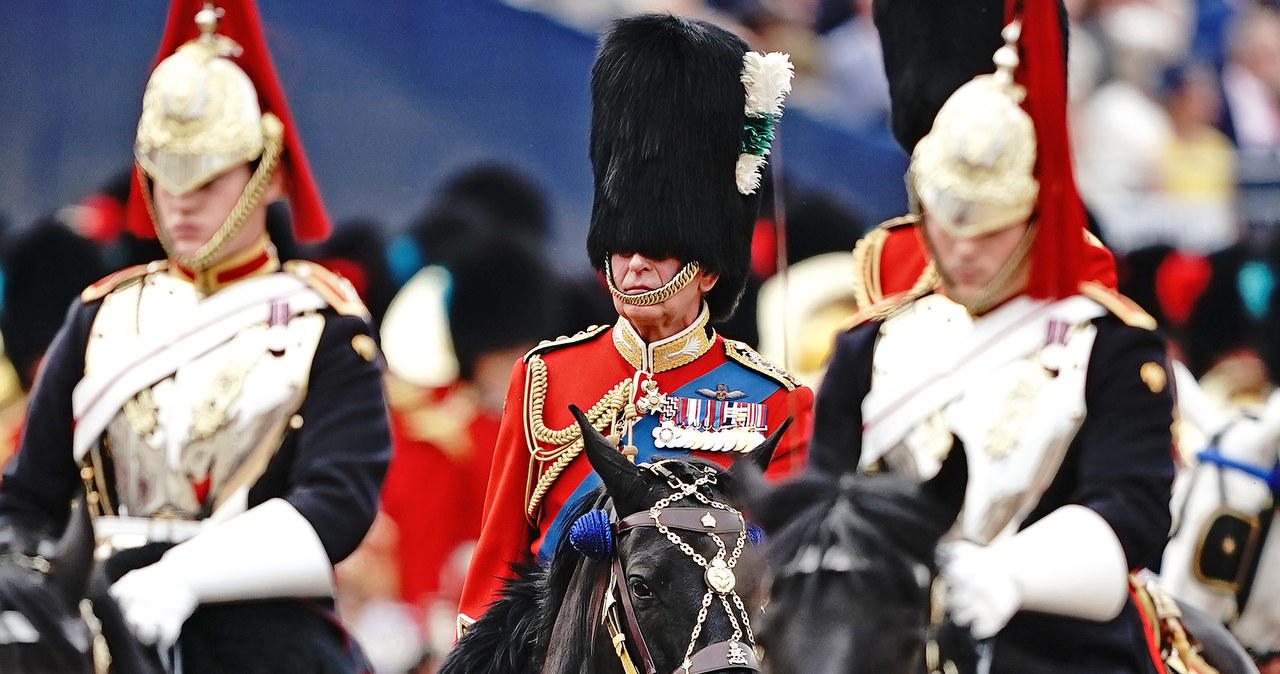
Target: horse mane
[
  {"x": 38, "y": 634},
  {"x": 540, "y": 606},
  {"x": 513, "y": 635},
  {"x": 858, "y": 518}
]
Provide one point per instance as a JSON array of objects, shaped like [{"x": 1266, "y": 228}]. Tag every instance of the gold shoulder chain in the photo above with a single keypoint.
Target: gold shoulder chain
[{"x": 560, "y": 446}]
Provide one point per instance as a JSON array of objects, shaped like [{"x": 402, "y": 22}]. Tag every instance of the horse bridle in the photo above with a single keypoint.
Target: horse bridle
[{"x": 618, "y": 614}]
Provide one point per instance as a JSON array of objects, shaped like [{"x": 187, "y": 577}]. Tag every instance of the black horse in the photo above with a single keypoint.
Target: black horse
[
  {"x": 48, "y": 590},
  {"x": 668, "y": 580},
  {"x": 853, "y": 574},
  {"x": 852, "y": 561}
]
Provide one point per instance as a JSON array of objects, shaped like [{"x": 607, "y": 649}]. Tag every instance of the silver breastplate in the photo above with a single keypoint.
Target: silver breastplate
[
  {"x": 1015, "y": 419},
  {"x": 204, "y": 434}
]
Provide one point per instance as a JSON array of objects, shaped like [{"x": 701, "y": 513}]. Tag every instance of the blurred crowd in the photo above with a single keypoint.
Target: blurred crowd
[{"x": 1176, "y": 120}]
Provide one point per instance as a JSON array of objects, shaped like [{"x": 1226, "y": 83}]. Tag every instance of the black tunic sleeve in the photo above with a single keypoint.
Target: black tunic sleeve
[
  {"x": 339, "y": 457},
  {"x": 41, "y": 479},
  {"x": 1122, "y": 466},
  {"x": 837, "y": 422}
]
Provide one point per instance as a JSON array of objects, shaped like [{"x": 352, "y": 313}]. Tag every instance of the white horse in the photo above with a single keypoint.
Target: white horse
[{"x": 1224, "y": 557}]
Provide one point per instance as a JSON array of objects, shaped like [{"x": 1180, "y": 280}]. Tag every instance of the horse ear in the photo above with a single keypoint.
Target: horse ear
[
  {"x": 621, "y": 477},
  {"x": 763, "y": 453},
  {"x": 73, "y": 558},
  {"x": 947, "y": 488},
  {"x": 747, "y": 486}
]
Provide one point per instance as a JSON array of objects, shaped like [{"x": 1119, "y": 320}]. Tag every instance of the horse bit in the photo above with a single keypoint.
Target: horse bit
[{"x": 717, "y": 573}]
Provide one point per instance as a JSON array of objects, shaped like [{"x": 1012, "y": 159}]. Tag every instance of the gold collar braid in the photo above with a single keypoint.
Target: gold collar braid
[
  {"x": 666, "y": 292},
  {"x": 273, "y": 146}
]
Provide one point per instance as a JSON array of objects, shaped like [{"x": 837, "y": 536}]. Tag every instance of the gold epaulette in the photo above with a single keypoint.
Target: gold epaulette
[
  {"x": 866, "y": 260},
  {"x": 549, "y": 345},
  {"x": 1124, "y": 308},
  {"x": 105, "y": 286},
  {"x": 879, "y": 311},
  {"x": 749, "y": 358},
  {"x": 333, "y": 287}
]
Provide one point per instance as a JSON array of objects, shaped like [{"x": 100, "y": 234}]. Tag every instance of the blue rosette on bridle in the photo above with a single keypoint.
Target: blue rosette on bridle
[{"x": 592, "y": 536}]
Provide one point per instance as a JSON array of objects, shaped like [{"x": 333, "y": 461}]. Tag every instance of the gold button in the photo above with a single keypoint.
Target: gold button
[
  {"x": 1153, "y": 375},
  {"x": 365, "y": 346},
  {"x": 86, "y": 473},
  {"x": 295, "y": 421}
]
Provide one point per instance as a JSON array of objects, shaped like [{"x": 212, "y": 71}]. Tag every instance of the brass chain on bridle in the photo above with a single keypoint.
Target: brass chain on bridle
[{"x": 717, "y": 573}]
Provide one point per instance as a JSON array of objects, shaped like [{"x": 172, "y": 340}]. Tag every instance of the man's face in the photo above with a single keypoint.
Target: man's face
[
  {"x": 635, "y": 274},
  {"x": 190, "y": 220},
  {"x": 972, "y": 264}
]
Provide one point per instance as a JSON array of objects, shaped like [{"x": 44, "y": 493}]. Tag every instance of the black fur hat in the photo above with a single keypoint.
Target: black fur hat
[
  {"x": 667, "y": 115},
  {"x": 502, "y": 295},
  {"x": 931, "y": 47}
]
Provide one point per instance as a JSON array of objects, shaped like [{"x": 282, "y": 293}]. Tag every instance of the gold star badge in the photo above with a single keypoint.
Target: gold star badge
[{"x": 1153, "y": 375}]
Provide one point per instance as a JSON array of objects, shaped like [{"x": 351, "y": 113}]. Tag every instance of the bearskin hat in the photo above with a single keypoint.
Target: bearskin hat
[{"x": 667, "y": 129}]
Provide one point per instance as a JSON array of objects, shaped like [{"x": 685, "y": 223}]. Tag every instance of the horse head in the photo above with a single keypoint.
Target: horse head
[
  {"x": 852, "y": 567},
  {"x": 48, "y": 590},
  {"x": 41, "y": 584},
  {"x": 670, "y": 577}
]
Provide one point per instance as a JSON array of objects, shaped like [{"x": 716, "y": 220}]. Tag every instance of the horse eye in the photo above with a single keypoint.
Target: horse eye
[{"x": 641, "y": 589}]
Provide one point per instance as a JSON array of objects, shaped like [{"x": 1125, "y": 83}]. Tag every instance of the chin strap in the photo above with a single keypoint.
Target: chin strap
[
  {"x": 657, "y": 296},
  {"x": 211, "y": 251},
  {"x": 269, "y": 551}
]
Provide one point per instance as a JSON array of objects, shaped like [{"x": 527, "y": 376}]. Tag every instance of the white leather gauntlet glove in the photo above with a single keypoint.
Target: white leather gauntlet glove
[
  {"x": 1070, "y": 564},
  {"x": 269, "y": 551}
]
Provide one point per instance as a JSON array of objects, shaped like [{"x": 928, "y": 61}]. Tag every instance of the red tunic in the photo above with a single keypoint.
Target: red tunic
[
  {"x": 695, "y": 365},
  {"x": 443, "y": 445}
]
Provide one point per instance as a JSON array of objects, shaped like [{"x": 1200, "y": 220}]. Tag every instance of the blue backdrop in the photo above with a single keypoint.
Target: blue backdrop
[{"x": 391, "y": 97}]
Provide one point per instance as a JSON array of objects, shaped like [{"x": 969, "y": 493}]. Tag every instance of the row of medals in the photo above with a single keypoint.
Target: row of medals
[{"x": 668, "y": 435}]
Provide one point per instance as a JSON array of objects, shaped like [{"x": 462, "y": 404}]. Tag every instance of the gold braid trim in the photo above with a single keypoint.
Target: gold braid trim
[
  {"x": 565, "y": 443},
  {"x": 658, "y": 296},
  {"x": 273, "y": 146},
  {"x": 865, "y": 253}
]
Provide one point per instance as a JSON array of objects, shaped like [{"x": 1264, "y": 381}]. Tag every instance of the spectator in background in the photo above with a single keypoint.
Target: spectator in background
[
  {"x": 1195, "y": 171},
  {"x": 1251, "y": 81},
  {"x": 854, "y": 90},
  {"x": 1122, "y": 129}
]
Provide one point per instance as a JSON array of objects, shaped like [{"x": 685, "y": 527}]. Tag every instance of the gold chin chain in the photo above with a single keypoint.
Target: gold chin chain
[
  {"x": 273, "y": 147},
  {"x": 562, "y": 445},
  {"x": 669, "y": 289}
]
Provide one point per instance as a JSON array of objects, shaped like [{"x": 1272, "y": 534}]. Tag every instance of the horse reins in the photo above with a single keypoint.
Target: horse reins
[{"x": 718, "y": 575}]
